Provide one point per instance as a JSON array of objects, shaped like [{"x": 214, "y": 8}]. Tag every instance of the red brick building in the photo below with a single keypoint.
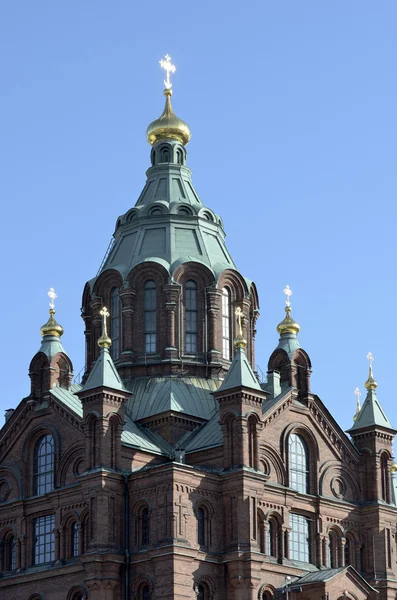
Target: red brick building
[{"x": 171, "y": 472}]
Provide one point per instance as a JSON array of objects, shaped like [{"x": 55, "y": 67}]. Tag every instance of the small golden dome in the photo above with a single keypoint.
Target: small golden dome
[
  {"x": 371, "y": 384},
  {"x": 104, "y": 341},
  {"x": 168, "y": 126},
  {"x": 51, "y": 327},
  {"x": 288, "y": 325},
  {"x": 393, "y": 467},
  {"x": 240, "y": 342}
]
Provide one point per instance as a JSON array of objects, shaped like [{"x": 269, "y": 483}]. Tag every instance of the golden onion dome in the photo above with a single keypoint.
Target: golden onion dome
[
  {"x": 393, "y": 467},
  {"x": 371, "y": 384},
  {"x": 288, "y": 325},
  {"x": 168, "y": 126},
  {"x": 51, "y": 327}
]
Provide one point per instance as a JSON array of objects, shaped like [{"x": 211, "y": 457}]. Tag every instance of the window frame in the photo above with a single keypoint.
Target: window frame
[
  {"x": 226, "y": 324},
  {"x": 44, "y": 465},
  {"x": 298, "y": 469},
  {"x": 115, "y": 323},
  {"x": 300, "y": 537},
  {"x": 191, "y": 317},
  {"x": 47, "y": 536},
  {"x": 150, "y": 314}
]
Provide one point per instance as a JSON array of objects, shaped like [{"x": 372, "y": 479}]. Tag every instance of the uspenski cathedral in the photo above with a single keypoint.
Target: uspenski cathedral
[{"x": 171, "y": 472}]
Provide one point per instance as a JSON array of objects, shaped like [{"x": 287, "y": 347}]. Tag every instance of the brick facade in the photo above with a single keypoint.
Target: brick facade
[{"x": 168, "y": 518}]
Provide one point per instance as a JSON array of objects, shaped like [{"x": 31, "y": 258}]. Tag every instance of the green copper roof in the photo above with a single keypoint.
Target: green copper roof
[
  {"x": 156, "y": 395},
  {"x": 51, "y": 345},
  {"x": 289, "y": 343},
  {"x": 103, "y": 374},
  {"x": 170, "y": 225},
  {"x": 240, "y": 374},
  {"x": 371, "y": 414},
  {"x": 207, "y": 436}
]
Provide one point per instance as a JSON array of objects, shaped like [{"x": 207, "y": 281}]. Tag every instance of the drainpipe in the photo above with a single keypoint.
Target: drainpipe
[{"x": 126, "y": 539}]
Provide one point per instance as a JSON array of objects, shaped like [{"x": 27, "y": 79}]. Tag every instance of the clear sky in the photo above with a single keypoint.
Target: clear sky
[{"x": 292, "y": 107}]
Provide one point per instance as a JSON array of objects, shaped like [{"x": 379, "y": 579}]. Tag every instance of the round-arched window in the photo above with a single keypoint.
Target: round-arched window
[
  {"x": 298, "y": 464},
  {"x": 43, "y": 472}
]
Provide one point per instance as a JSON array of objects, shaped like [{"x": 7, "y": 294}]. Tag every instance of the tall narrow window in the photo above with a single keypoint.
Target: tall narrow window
[
  {"x": 200, "y": 592},
  {"x": 191, "y": 317},
  {"x": 150, "y": 317},
  {"x": 271, "y": 538},
  {"x": 201, "y": 526},
  {"x": 44, "y": 465},
  {"x": 145, "y": 593},
  {"x": 298, "y": 473},
  {"x": 75, "y": 539},
  {"x": 299, "y": 538},
  {"x": 226, "y": 345},
  {"x": 44, "y": 540},
  {"x": 115, "y": 323},
  {"x": 9, "y": 554},
  {"x": 145, "y": 527},
  {"x": 385, "y": 478},
  {"x": 348, "y": 560}
]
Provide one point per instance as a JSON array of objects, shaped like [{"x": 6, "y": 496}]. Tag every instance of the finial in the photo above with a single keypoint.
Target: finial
[
  {"x": 52, "y": 327},
  {"x": 370, "y": 384},
  {"x": 357, "y": 393},
  {"x": 104, "y": 341},
  {"x": 240, "y": 341},
  {"x": 168, "y": 126},
  {"x": 288, "y": 325},
  {"x": 168, "y": 68}
]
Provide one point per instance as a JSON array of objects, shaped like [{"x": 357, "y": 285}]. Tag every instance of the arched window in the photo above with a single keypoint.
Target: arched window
[
  {"x": 115, "y": 323},
  {"x": 150, "y": 317},
  {"x": 298, "y": 464},
  {"x": 252, "y": 443},
  {"x": 145, "y": 527},
  {"x": 145, "y": 595},
  {"x": 179, "y": 157},
  {"x": 299, "y": 538},
  {"x": 201, "y": 526},
  {"x": 348, "y": 557},
  {"x": 9, "y": 556},
  {"x": 200, "y": 592},
  {"x": 226, "y": 336},
  {"x": 44, "y": 465},
  {"x": 74, "y": 540},
  {"x": 384, "y": 462},
  {"x": 191, "y": 317},
  {"x": 164, "y": 155},
  {"x": 271, "y": 538}
]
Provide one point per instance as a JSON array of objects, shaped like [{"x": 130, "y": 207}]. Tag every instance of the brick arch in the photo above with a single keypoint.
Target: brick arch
[
  {"x": 203, "y": 503},
  {"x": 8, "y": 531},
  {"x": 266, "y": 589},
  {"x": 207, "y": 582},
  {"x": 312, "y": 448},
  {"x": 28, "y": 452},
  {"x": 77, "y": 590},
  {"x": 348, "y": 477},
  {"x": 13, "y": 475},
  {"x": 272, "y": 457},
  {"x": 37, "y": 597},
  {"x": 140, "y": 582},
  {"x": 106, "y": 281},
  {"x": 235, "y": 282},
  {"x": 67, "y": 461},
  {"x": 39, "y": 372},
  {"x": 138, "y": 276},
  {"x": 61, "y": 370}
]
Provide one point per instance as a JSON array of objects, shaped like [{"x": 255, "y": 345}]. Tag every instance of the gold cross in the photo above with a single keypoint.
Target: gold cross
[
  {"x": 52, "y": 296},
  {"x": 239, "y": 314},
  {"x": 168, "y": 68},
  {"x": 288, "y": 293},
  {"x": 371, "y": 360},
  {"x": 357, "y": 393},
  {"x": 105, "y": 314}
]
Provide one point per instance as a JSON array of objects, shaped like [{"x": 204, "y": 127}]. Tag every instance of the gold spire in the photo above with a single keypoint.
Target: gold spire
[
  {"x": 288, "y": 325},
  {"x": 52, "y": 327},
  {"x": 370, "y": 384},
  {"x": 357, "y": 393},
  {"x": 104, "y": 341},
  {"x": 168, "y": 126},
  {"x": 239, "y": 341}
]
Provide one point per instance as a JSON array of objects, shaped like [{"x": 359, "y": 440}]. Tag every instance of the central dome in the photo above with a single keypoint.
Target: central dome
[{"x": 168, "y": 126}]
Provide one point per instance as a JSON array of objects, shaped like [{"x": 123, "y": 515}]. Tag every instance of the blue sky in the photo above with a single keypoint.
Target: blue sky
[{"x": 292, "y": 110}]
